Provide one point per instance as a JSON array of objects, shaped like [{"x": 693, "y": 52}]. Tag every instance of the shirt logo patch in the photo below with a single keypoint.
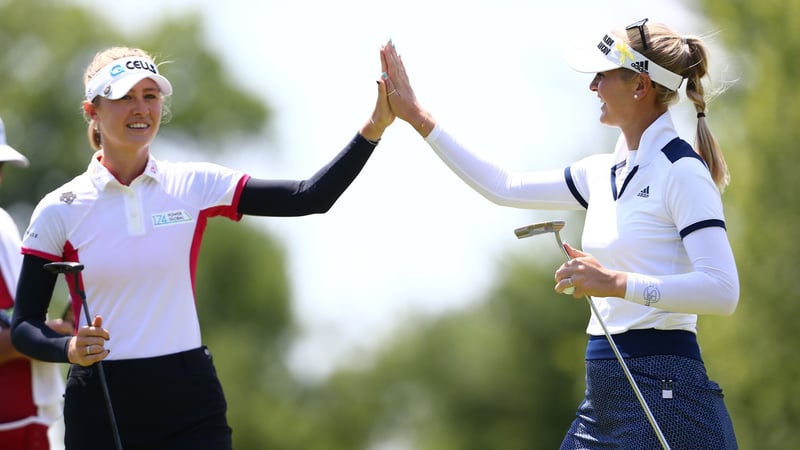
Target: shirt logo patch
[
  {"x": 645, "y": 193},
  {"x": 651, "y": 295},
  {"x": 68, "y": 197},
  {"x": 170, "y": 218}
]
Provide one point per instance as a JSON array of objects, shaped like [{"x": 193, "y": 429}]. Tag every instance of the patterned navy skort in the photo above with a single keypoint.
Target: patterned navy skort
[{"x": 687, "y": 406}]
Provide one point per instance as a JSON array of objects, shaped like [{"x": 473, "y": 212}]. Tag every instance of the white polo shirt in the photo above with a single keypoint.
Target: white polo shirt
[
  {"x": 667, "y": 194},
  {"x": 664, "y": 227},
  {"x": 139, "y": 246}
]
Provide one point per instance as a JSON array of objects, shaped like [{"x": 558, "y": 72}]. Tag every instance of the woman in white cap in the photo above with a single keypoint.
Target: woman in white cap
[
  {"x": 655, "y": 248},
  {"x": 135, "y": 223},
  {"x": 32, "y": 390}
]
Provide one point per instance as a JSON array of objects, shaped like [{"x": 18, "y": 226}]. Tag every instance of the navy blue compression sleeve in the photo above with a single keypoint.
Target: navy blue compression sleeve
[
  {"x": 29, "y": 334},
  {"x": 316, "y": 195}
]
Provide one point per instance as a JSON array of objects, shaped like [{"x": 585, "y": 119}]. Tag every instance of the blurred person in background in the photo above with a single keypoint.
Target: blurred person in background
[{"x": 32, "y": 391}]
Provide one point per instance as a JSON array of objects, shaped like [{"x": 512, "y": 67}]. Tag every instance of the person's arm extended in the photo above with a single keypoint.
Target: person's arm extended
[
  {"x": 316, "y": 195},
  {"x": 545, "y": 189},
  {"x": 29, "y": 331}
]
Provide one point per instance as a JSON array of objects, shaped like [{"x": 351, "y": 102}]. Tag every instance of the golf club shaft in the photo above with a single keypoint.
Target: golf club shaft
[
  {"x": 628, "y": 375},
  {"x": 100, "y": 372}
]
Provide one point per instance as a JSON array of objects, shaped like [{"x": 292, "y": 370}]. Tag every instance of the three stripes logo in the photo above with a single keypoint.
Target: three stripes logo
[
  {"x": 641, "y": 66},
  {"x": 644, "y": 193}
]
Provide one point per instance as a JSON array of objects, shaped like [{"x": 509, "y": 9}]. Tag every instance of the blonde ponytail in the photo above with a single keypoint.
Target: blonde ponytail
[
  {"x": 705, "y": 143},
  {"x": 688, "y": 57}
]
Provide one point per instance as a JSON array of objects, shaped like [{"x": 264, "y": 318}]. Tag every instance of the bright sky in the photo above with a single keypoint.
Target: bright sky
[{"x": 408, "y": 237}]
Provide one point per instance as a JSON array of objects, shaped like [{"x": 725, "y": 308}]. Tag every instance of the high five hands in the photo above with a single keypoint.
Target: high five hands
[
  {"x": 382, "y": 115},
  {"x": 401, "y": 98}
]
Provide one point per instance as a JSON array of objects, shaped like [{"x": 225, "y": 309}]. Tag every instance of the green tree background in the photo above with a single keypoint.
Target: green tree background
[
  {"x": 754, "y": 350},
  {"x": 506, "y": 373}
]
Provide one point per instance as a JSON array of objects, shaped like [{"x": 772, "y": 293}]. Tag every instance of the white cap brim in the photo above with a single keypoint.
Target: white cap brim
[
  {"x": 9, "y": 155},
  {"x": 121, "y": 86},
  {"x": 589, "y": 61},
  {"x": 612, "y": 52}
]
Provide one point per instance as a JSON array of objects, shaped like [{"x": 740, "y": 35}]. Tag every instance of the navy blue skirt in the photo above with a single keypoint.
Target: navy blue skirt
[{"x": 687, "y": 406}]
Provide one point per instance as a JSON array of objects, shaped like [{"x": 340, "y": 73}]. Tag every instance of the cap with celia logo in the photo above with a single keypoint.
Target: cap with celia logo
[{"x": 118, "y": 77}]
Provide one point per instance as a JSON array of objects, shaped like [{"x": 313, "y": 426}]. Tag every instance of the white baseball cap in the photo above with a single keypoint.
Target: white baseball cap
[
  {"x": 115, "y": 79},
  {"x": 8, "y": 154},
  {"x": 612, "y": 52}
]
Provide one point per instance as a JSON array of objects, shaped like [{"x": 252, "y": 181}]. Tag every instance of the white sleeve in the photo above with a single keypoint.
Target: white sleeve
[
  {"x": 532, "y": 190},
  {"x": 711, "y": 288}
]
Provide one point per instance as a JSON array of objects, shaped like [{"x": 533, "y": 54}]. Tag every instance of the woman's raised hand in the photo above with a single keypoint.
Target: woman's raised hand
[
  {"x": 382, "y": 116},
  {"x": 401, "y": 95}
]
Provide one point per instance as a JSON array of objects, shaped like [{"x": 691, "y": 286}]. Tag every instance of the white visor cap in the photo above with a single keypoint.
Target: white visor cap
[
  {"x": 115, "y": 79},
  {"x": 612, "y": 52}
]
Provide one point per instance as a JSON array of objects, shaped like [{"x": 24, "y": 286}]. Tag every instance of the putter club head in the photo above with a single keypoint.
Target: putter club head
[
  {"x": 63, "y": 267},
  {"x": 536, "y": 229}
]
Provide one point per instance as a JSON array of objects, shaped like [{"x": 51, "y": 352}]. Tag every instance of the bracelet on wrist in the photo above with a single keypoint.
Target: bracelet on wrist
[{"x": 424, "y": 121}]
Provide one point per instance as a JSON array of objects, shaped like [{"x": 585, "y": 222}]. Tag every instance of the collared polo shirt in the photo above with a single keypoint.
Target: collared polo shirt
[
  {"x": 667, "y": 193},
  {"x": 139, "y": 246}
]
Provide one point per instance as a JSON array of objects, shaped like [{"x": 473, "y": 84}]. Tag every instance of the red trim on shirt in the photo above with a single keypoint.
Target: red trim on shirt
[
  {"x": 229, "y": 211},
  {"x": 6, "y": 301},
  {"x": 199, "y": 230},
  {"x": 238, "y": 195},
  {"x": 71, "y": 254},
  {"x": 40, "y": 254}
]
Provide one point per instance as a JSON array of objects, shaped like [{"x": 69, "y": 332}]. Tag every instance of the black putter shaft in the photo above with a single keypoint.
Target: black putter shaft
[{"x": 68, "y": 267}]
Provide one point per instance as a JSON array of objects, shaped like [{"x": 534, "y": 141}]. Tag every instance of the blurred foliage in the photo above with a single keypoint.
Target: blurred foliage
[
  {"x": 757, "y": 124},
  {"x": 243, "y": 301}
]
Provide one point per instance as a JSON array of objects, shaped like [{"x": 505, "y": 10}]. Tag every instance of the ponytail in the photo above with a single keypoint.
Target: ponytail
[
  {"x": 705, "y": 143},
  {"x": 688, "y": 57}
]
